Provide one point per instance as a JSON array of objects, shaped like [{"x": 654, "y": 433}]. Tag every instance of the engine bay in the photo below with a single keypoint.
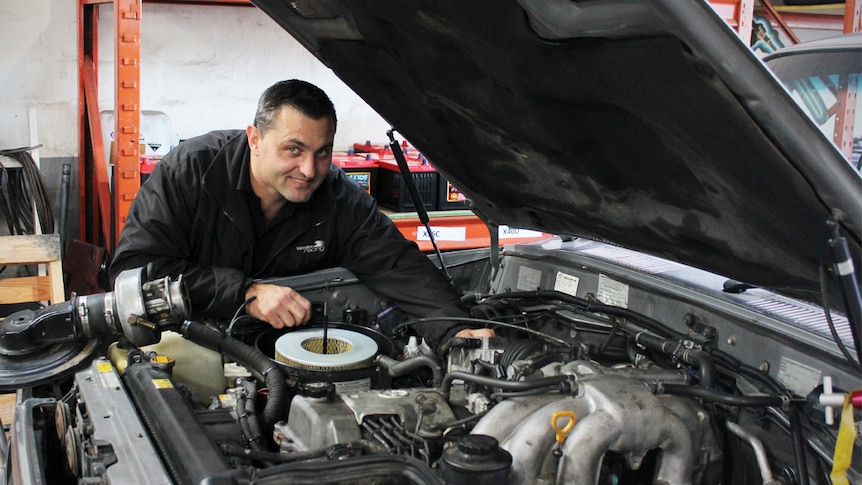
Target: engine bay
[{"x": 608, "y": 367}]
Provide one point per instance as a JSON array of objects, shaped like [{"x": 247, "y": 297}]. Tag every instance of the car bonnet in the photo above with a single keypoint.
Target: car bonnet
[{"x": 647, "y": 124}]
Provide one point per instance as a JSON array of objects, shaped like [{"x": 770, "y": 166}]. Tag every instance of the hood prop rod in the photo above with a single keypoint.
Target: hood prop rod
[
  {"x": 847, "y": 281},
  {"x": 417, "y": 199}
]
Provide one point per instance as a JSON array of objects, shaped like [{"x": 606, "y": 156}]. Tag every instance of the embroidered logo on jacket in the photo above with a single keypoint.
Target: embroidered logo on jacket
[{"x": 319, "y": 246}]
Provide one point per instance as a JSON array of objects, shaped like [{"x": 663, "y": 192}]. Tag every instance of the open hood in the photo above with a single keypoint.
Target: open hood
[{"x": 647, "y": 124}]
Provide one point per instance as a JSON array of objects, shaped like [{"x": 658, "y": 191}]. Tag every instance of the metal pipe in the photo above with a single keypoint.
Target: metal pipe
[
  {"x": 65, "y": 182},
  {"x": 759, "y": 452}
]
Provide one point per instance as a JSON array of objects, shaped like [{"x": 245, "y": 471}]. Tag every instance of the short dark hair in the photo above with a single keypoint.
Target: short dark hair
[{"x": 302, "y": 96}]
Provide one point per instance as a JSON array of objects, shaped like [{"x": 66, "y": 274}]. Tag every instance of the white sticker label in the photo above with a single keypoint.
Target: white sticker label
[
  {"x": 798, "y": 377},
  {"x": 442, "y": 233},
  {"x": 567, "y": 284},
  {"x": 507, "y": 232},
  {"x": 612, "y": 292},
  {"x": 529, "y": 279},
  {"x": 346, "y": 387}
]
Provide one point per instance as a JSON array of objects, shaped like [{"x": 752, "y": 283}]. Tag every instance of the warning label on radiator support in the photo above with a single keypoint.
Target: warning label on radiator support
[
  {"x": 797, "y": 377},
  {"x": 566, "y": 283},
  {"x": 612, "y": 292}
]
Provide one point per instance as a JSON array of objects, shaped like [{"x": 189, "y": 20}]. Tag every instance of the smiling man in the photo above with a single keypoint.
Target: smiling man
[{"x": 230, "y": 207}]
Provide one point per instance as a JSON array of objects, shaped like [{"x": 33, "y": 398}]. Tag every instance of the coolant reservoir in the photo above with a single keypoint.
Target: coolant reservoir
[{"x": 196, "y": 366}]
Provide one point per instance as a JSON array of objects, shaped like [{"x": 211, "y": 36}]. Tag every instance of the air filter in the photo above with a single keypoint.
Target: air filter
[
  {"x": 345, "y": 349},
  {"x": 348, "y": 362}
]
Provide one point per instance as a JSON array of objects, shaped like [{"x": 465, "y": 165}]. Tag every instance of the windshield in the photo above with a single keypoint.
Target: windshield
[{"x": 825, "y": 84}]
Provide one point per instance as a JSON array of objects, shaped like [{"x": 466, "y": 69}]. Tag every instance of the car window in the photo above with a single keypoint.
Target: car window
[{"x": 820, "y": 82}]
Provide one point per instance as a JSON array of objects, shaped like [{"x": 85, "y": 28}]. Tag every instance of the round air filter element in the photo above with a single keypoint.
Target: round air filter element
[{"x": 345, "y": 349}]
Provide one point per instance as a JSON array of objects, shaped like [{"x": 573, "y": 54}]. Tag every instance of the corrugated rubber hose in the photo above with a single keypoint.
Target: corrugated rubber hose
[{"x": 255, "y": 359}]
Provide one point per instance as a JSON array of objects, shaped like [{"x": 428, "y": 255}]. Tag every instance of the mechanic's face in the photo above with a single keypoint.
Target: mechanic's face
[{"x": 292, "y": 158}]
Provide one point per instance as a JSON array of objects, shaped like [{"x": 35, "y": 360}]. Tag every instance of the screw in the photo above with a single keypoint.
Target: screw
[{"x": 689, "y": 320}]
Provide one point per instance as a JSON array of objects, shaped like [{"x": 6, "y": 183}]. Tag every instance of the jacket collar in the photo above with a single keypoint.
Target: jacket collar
[{"x": 223, "y": 181}]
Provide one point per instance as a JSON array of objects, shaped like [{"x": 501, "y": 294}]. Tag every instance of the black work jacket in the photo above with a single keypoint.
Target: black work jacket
[{"x": 191, "y": 217}]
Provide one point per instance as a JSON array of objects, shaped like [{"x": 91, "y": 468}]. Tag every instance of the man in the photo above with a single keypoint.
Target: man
[{"x": 229, "y": 207}]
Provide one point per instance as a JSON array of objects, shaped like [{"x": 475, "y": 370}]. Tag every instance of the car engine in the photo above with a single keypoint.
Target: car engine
[{"x": 599, "y": 374}]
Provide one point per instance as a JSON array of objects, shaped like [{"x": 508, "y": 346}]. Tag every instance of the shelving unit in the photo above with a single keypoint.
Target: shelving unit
[
  {"x": 457, "y": 229},
  {"x": 105, "y": 198},
  {"x": 105, "y": 204}
]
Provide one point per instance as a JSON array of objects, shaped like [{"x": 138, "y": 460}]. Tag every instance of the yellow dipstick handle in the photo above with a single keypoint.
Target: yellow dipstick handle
[{"x": 562, "y": 432}]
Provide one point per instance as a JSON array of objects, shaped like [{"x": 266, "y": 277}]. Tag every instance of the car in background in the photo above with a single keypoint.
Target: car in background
[{"x": 824, "y": 77}]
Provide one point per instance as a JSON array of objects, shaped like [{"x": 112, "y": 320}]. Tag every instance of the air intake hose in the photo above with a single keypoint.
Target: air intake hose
[{"x": 255, "y": 359}]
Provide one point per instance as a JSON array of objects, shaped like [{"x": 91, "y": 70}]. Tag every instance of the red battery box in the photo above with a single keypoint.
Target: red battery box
[
  {"x": 361, "y": 168},
  {"x": 369, "y": 147},
  {"x": 148, "y": 163},
  {"x": 392, "y": 191}
]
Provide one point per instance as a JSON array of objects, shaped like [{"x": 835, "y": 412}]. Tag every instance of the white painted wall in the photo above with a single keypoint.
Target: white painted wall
[
  {"x": 38, "y": 69},
  {"x": 204, "y": 66}
]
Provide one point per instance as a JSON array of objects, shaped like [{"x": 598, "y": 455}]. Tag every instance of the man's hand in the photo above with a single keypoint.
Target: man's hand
[
  {"x": 476, "y": 332},
  {"x": 279, "y": 306}
]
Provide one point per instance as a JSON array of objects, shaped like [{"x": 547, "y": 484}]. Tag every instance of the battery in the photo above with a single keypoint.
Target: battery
[
  {"x": 361, "y": 168},
  {"x": 148, "y": 163},
  {"x": 392, "y": 191},
  {"x": 369, "y": 147},
  {"x": 380, "y": 150},
  {"x": 448, "y": 196}
]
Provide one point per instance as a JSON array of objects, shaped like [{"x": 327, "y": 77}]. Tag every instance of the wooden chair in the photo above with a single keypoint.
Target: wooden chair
[{"x": 41, "y": 249}]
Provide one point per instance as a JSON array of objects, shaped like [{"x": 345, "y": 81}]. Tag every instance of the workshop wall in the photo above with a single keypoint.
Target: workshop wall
[
  {"x": 203, "y": 66},
  {"x": 206, "y": 66}
]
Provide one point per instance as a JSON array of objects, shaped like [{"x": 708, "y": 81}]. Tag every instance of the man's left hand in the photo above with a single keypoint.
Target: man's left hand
[{"x": 476, "y": 332}]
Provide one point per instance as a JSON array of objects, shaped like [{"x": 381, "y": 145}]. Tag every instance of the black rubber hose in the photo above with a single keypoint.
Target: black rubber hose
[
  {"x": 499, "y": 396},
  {"x": 726, "y": 399},
  {"x": 798, "y": 445},
  {"x": 732, "y": 365},
  {"x": 458, "y": 422},
  {"x": 246, "y": 419},
  {"x": 703, "y": 361},
  {"x": 697, "y": 358},
  {"x": 632, "y": 316},
  {"x": 520, "y": 350},
  {"x": 565, "y": 382},
  {"x": 274, "y": 379},
  {"x": 398, "y": 368},
  {"x": 490, "y": 368},
  {"x": 24, "y": 196}
]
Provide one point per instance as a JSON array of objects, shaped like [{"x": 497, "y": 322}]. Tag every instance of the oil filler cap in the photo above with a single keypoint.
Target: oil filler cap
[{"x": 478, "y": 444}]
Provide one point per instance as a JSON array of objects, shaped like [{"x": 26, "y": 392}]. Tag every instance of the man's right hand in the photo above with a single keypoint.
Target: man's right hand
[{"x": 280, "y": 306}]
